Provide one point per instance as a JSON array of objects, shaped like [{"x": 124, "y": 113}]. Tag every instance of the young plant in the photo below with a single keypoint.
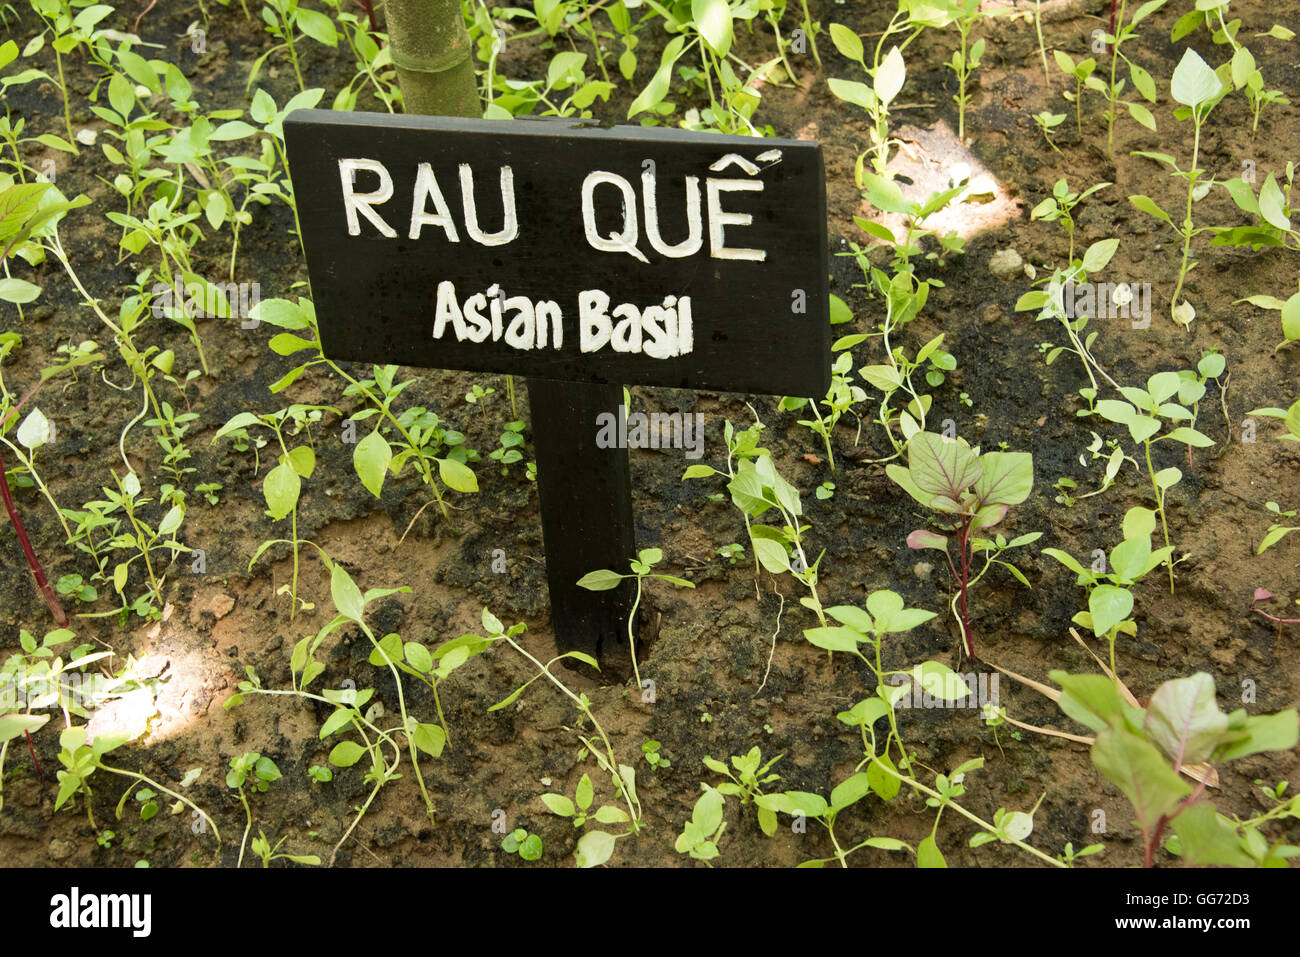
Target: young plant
[
  {"x": 421, "y": 436},
  {"x": 700, "y": 835},
  {"x": 975, "y": 491},
  {"x": 141, "y": 540},
  {"x": 82, "y": 757},
  {"x": 1122, "y": 32},
  {"x": 747, "y": 780},
  {"x": 966, "y": 58},
  {"x": 650, "y": 751},
  {"x": 285, "y": 19},
  {"x": 887, "y": 77},
  {"x": 282, "y": 486},
  {"x": 263, "y": 849},
  {"x": 1048, "y": 121},
  {"x": 429, "y": 666},
  {"x": 257, "y": 772},
  {"x": 742, "y": 445},
  {"x": 756, "y": 489},
  {"x": 509, "y": 444},
  {"x": 527, "y": 846},
  {"x": 381, "y": 745},
  {"x": 1142, "y": 750},
  {"x": 841, "y": 397},
  {"x": 861, "y": 632},
  {"x": 579, "y": 809},
  {"x": 1110, "y": 594},
  {"x": 1277, "y": 531},
  {"x": 1199, "y": 89},
  {"x": 1245, "y": 76},
  {"x": 594, "y": 847},
  {"x": 1081, "y": 73},
  {"x": 603, "y": 579},
  {"x": 1146, "y": 411}
]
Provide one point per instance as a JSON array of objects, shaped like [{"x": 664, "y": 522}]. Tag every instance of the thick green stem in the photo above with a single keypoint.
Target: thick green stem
[{"x": 432, "y": 53}]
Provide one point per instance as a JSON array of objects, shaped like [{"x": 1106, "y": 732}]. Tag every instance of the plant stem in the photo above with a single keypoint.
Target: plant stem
[
  {"x": 1160, "y": 507},
  {"x": 145, "y": 779},
  {"x": 1114, "y": 64},
  {"x": 1187, "y": 221},
  {"x": 967, "y": 814},
  {"x": 248, "y": 816},
  {"x": 406, "y": 723},
  {"x": 67, "y": 108},
  {"x": 1038, "y": 26},
  {"x": 56, "y": 609},
  {"x": 631, "y": 637}
]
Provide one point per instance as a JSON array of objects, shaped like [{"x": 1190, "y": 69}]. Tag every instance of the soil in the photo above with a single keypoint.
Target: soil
[{"x": 729, "y": 664}]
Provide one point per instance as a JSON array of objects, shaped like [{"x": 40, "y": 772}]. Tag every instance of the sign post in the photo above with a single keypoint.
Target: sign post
[{"x": 583, "y": 258}]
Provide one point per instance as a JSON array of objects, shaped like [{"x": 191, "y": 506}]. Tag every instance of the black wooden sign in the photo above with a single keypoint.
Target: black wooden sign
[
  {"x": 628, "y": 255},
  {"x": 581, "y": 257}
]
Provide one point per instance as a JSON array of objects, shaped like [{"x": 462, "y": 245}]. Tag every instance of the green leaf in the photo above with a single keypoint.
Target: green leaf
[
  {"x": 1006, "y": 478},
  {"x": 1190, "y": 437},
  {"x": 429, "y": 738},
  {"x": 713, "y": 21},
  {"x": 345, "y": 594},
  {"x": 241, "y": 421},
  {"x": 928, "y": 853},
  {"x": 1269, "y": 732},
  {"x": 12, "y": 725},
  {"x": 558, "y": 804},
  {"x": 286, "y": 343},
  {"x": 281, "y": 488},
  {"x": 457, "y": 476},
  {"x": 833, "y": 638},
  {"x": 1148, "y": 205},
  {"x": 345, "y": 754},
  {"x": 771, "y": 554},
  {"x": 1129, "y": 557},
  {"x": 1092, "y": 700},
  {"x": 1108, "y": 605},
  {"x": 594, "y": 848},
  {"x": 1137, "y": 768},
  {"x": 418, "y": 657},
  {"x": 371, "y": 458},
  {"x": 1291, "y": 318},
  {"x": 390, "y": 651},
  {"x": 341, "y": 718},
  {"x": 850, "y": 791},
  {"x": 1194, "y": 81},
  {"x": 1184, "y": 720},
  {"x": 609, "y": 814},
  {"x": 847, "y": 42},
  {"x": 600, "y": 580},
  {"x": 531, "y": 848},
  {"x": 940, "y": 681},
  {"x": 1272, "y": 204},
  {"x": 279, "y": 312},
  {"x": 317, "y": 25},
  {"x": 942, "y": 467},
  {"x": 889, "y": 79},
  {"x": 584, "y": 794},
  {"x": 1099, "y": 254},
  {"x": 660, "y": 83},
  {"x": 1206, "y": 839},
  {"x": 18, "y": 291}
]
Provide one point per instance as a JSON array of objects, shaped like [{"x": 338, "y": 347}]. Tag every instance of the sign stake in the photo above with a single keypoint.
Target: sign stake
[{"x": 586, "y": 497}]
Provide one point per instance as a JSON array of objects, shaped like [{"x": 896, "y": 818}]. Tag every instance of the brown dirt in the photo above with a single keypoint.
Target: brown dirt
[{"x": 713, "y": 643}]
